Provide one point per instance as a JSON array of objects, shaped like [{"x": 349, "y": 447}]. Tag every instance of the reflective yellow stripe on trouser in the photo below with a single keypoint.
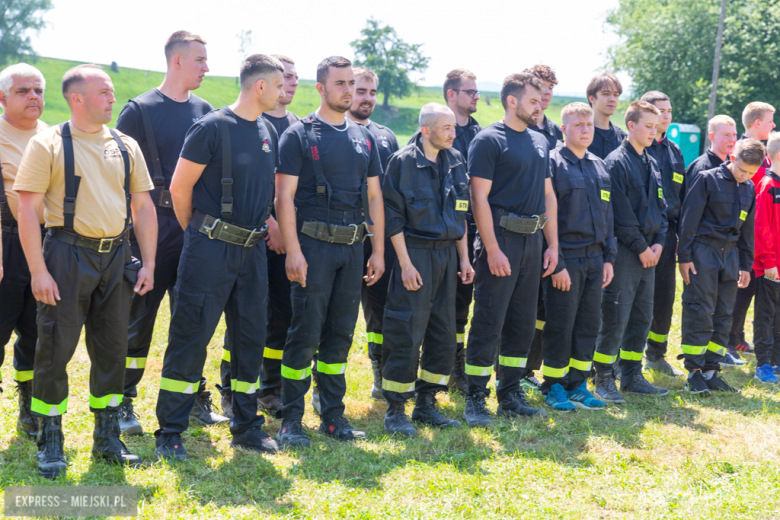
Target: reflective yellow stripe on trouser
[
  {"x": 270, "y": 353},
  {"x": 630, "y": 356},
  {"x": 693, "y": 350},
  {"x": 512, "y": 362},
  {"x": 557, "y": 373},
  {"x": 23, "y": 375},
  {"x": 374, "y": 337},
  {"x": 298, "y": 375},
  {"x": 51, "y": 410},
  {"x": 225, "y": 355},
  {"x": 539, "y": 325},
  {"x": 583, "y": 366},
  {"x": 598, "y": 357},
  {"x": 394, "y": 386},
  {"x": 245, "y": 387},
  {"x": 333, "y": 369},
  {"x": 717, "y": 349},
  {"x": 436, "y": 379},
  {"x": 135, "y": 362},
  {"x": 478, "y": 371},
  {"x": 180, "y": 387},
  {"x": 107, "y": 401},
  {"x": 658, "y": 338}
]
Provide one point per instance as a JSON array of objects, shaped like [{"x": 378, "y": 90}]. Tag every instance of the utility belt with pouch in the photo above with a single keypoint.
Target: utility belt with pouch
[{"x": 518, "y": 223}]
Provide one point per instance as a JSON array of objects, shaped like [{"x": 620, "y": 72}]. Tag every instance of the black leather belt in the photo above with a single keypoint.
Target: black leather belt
[
  {"x": 715, "y": 243},
  {"x": 518, "y": 223},
  {"x": 13, "y": 227},
  {"x": 215, "y": 229},
  {"x": 421, "y": 243},
  {"x": 338, "y": 234},
  {"x": 99, "y": 245}
]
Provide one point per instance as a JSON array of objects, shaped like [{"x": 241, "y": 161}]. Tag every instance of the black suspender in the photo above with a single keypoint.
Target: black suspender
[
  {"x": 5, "y": 210},
  {"x": 72, "y": 181},
  {"x": 164, "y": 199}
]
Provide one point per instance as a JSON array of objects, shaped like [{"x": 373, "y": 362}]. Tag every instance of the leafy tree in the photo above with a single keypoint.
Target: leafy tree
[
  {"x": 381, "y": 50},
  {"x": 18, "y": 18},
  {"x": 669, "y": 45}
]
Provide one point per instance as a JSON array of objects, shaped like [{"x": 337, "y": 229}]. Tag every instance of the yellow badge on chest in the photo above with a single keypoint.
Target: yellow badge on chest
[
  {"x": 678, "y": 178},
  {"x": 660, "y": 193},
  {"x": 605, "y": 195},
  {"x": 461, "y": 205},
  {"x": 742, "y": 215}
]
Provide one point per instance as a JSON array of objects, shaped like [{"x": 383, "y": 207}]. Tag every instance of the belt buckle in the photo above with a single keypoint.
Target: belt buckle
[
  {"x": 253, "y": 233},
  {"x": 210, "y": 230},
  {"x": 110, "y": 242},
  {"x": 354, "y": 234}
]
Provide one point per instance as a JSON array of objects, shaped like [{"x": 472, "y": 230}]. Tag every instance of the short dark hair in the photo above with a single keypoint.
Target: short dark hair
[
  {"x": 283, "y": 58},
  {"x": 514, "y": 85},
  {"x": 605, "y": 79},
  {"x": 258, "y": 65},
  {"x": 654, "y": 96},
  {"x": 637, "y": 108},
  {"x": 179, "y": 39},
  {"x": 749, "y": 151},
  {"x": 323, "y": 69},
  {"x": 544, "y": 73},
  {"x": 455, "y": 78},
  {"x": 76, "y": 76}
]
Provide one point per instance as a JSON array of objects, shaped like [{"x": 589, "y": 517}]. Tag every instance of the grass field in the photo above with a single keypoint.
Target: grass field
[
  {"x": 401, "y": 117},
  {"x": 678, "y": 457}
]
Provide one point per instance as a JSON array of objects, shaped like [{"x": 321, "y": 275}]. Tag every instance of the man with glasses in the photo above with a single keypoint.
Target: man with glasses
[{"x": 461, "y": 96}]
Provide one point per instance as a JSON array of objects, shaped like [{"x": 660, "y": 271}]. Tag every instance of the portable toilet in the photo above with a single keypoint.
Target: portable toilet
[{"x": 687, "y": 137}]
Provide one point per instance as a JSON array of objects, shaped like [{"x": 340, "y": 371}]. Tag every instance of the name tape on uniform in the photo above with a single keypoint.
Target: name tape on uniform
[
  {"x": 678, "y": 178},
  {"x": 461, "y": 205},
  {"x": 660, "y": 193},
  {"x": 742, "y": 215},
  {"x": 605, "y": 195}
]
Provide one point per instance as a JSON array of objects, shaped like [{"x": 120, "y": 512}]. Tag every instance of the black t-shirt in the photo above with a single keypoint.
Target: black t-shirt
[
  {"x": 386, "y": 143},
  {"x": 516, "y": 162},
  {"x": 343, "y": 161},
  {"x": 170, "y": 121},
  {"x": 281, "y": 123},
  {"x": 253, "y": 156},
  {"x": 606, "y": 141}
]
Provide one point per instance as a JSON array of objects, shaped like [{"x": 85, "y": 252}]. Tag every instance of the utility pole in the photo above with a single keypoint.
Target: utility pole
[{"x": 715, "y": 71}]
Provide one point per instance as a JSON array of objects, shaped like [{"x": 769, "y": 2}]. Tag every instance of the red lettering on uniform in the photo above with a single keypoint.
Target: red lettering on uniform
[
  {"x": 368, "y": 145},
  {"x": 315, "y": 154}
]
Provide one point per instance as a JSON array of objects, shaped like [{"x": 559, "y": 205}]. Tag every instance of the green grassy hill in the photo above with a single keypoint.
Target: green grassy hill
[{"x": 220, "y": 91}]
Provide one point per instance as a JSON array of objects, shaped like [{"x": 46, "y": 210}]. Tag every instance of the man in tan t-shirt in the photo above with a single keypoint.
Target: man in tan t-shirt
[
  {"x": 85, "y": 274},
  {"x": 21, "y": 95}
]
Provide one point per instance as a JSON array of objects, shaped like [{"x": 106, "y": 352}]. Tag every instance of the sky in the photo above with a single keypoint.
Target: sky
[{"x": 492, "y": 39}]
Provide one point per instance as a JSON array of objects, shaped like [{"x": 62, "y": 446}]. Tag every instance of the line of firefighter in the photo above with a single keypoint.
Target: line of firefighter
[{"x": 593, "y": 217}]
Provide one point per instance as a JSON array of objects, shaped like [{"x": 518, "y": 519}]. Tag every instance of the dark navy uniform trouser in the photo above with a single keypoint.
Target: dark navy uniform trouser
[
  {"x": 707, "y": 303},
  {"x": 95, "y": 295},
  {"x": 626, "y": 314},
  {"x": 766, "y": 322},
  {"x": 373, "y": 298},
  {"x": 425, "y": 317},
  {"x": 574, "y": 318},
  {"x": 18, "y": 309},
  {"x": 739, "y": 314},
  {"x": 663, "y": 299},
  {"x": 213, "y": 277},
  {"x": 464, "y": 295},
  {"x": 144, "y": 309},
  {"x": 279, "y": 317},
  {"x": 504, "y": 313},
  {"x": 323, "y": 322}
]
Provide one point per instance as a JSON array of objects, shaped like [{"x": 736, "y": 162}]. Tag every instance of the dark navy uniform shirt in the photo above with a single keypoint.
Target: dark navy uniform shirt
[
  {"x": 253, "y": 160},
  {"x": 343, "y": 162},
  {"x": 518, "y": 164},
  {"x": 719, "y": 208},
  {"x": 606, "y": 141},
  {"x": 170, "y": 122},
  {"x": 423, "y": 199},
  {"x": 551, "y": 131},
  {"x": 282, "y": 123},
  {"x": 386, "y": 143},
  {"x": 637, "y": 198},
  {"x": 583, "y": 189},
  {"x": 672, "y": 167}
]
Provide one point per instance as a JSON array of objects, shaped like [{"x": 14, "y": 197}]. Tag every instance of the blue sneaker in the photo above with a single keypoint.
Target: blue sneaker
[
  {"x": 776, "y": 370},
  {"x": 582, "y": 398},
  {"x": 765, "y": 375},
  {"x": 730, "y": 361},
  {"x": 557, "y": 399}
]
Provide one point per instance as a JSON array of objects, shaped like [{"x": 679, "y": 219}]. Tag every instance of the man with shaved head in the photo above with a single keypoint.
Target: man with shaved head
[
  {"x": 21, "y": 95},
  {"x": 91, "y": 180},
  {"x": 426, "y": 199}
]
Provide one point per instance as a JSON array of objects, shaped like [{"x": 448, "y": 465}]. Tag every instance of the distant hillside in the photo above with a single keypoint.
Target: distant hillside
[{"x": 220, "y": 91}]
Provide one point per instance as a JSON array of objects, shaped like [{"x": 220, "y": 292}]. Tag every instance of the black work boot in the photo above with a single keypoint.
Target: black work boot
[
  {"x": 26, "y": 423},
  {"x": 396, "y": 420},
  {"x": 256, "y": 439},
  {"x": 169, "y": 446},
  {"x": 272, "y": 403},
  {"x": 128, "y": 419},
  {"x": 341, "y": 430},
  {"x": 203, "y": 413},
  {"x": 51, "y": 454},
  {"x": 458, "y": 381},
  {"x": 106, "y": 443},
  {"x": 376, "y": 391},
  {"x": 476, "y": 412},
  {"x": 227, "y": 400},
  {"x": 425, "y": 412},
  {"x": 515, "y": 405},
  {"x": 292, "y": 435}
]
